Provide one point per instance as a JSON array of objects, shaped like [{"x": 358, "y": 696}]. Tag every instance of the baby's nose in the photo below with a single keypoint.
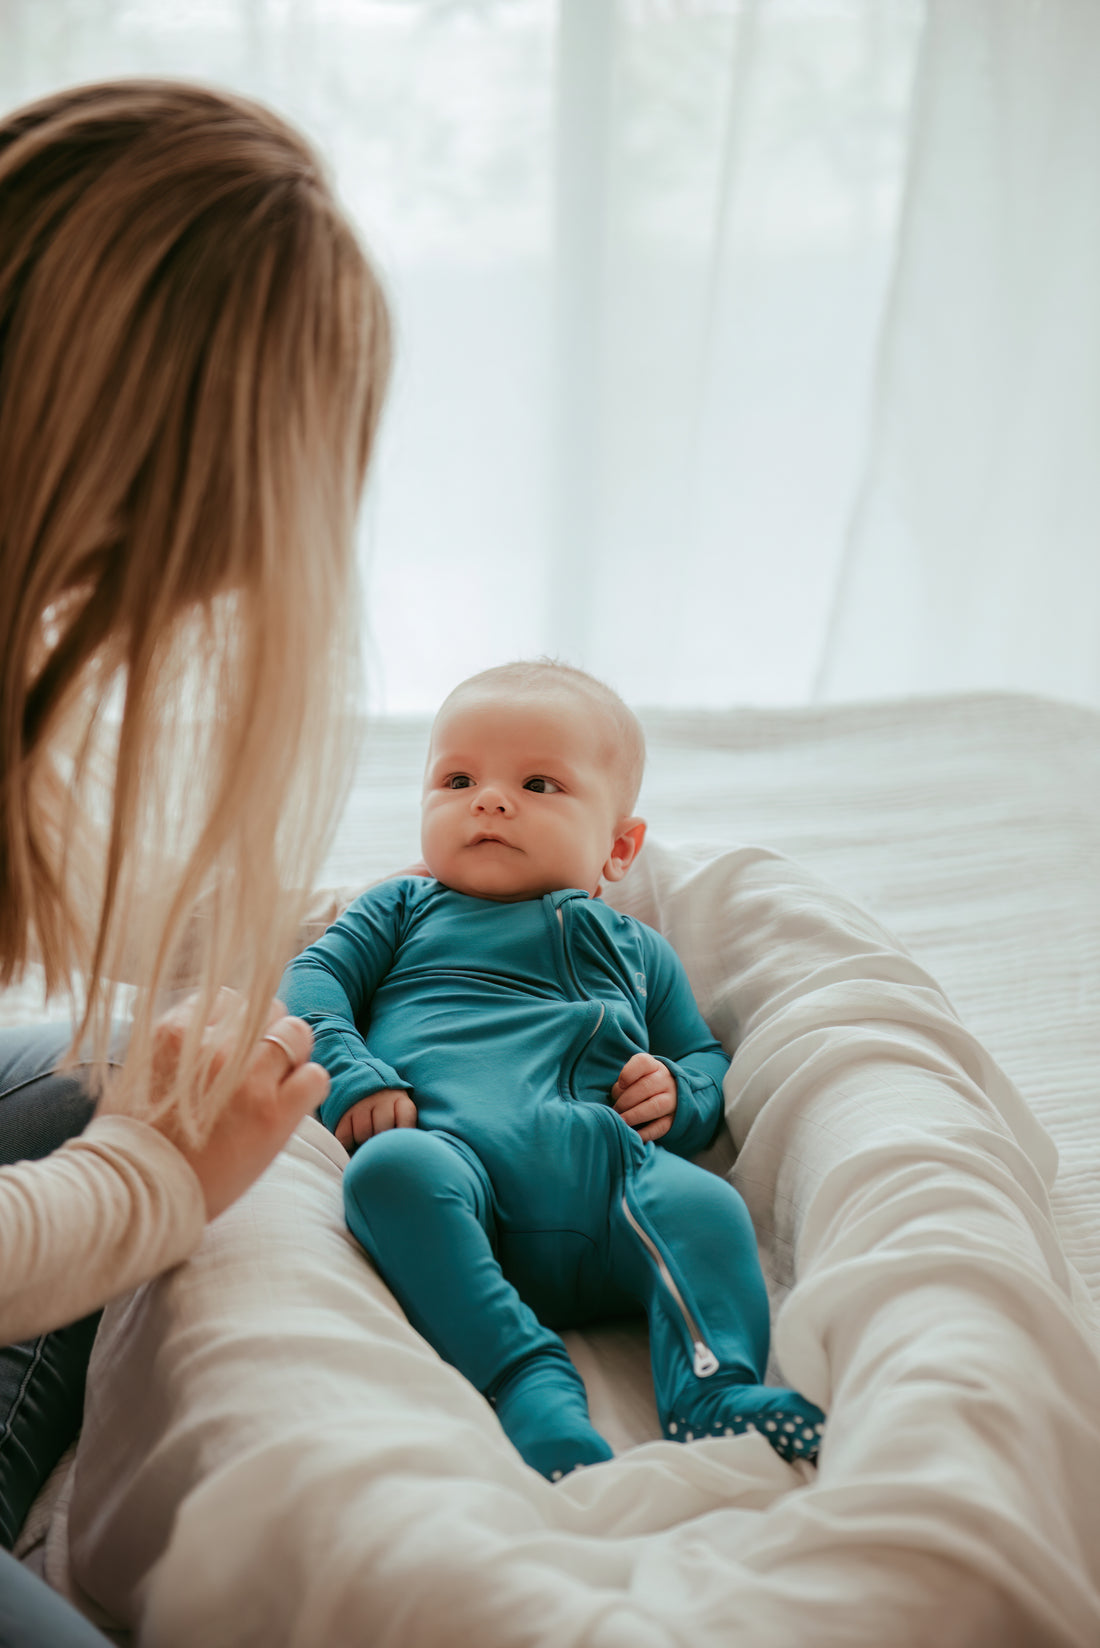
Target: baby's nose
[{"x": 491, "y": 800}]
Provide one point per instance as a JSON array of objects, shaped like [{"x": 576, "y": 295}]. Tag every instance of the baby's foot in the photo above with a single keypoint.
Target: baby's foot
[
  {"x": 544, "y": 1413},
  {"x": 782, "y": 1417}
]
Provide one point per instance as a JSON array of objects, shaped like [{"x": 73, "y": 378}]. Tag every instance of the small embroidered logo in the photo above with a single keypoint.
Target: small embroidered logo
[{"x": 639, "y": 979}]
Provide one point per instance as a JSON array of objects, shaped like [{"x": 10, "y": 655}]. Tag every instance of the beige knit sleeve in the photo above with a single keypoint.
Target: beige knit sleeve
[{"x": 106, "y": 1211}]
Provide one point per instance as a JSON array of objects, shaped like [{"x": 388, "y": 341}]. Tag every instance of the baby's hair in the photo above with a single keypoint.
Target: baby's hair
[{"x": 537, "y": 675}]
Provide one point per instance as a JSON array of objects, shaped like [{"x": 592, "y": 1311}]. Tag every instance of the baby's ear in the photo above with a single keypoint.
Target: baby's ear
[{"x": 629, "y": 835}]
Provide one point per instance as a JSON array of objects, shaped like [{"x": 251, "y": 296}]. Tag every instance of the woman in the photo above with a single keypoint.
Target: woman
[{"x": 193, "y": 354}]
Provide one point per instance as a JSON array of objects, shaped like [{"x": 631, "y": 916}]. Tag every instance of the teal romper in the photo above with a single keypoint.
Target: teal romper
[{"x": 522, "y": 1202}]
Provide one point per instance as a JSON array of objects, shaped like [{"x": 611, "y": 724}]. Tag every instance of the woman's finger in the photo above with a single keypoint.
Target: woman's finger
[
  {"x": 305, "y": 1090},
  {"x": 227, "y": 1004},
  {"x": 285, "y": 1045}
]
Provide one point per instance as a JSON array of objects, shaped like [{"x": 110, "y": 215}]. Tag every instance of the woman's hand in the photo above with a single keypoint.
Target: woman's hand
[{"x": 263, "y": 1112}]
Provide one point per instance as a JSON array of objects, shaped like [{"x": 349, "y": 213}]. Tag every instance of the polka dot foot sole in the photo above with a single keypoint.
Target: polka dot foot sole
[{"x": 791, "y": 1434}]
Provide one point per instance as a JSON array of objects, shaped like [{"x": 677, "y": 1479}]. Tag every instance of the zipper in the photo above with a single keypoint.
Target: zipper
[
  {"x": 704, "y": 1361},
  {"x": 581, "y": 996},
  {"x": 584, "y": 1044},
  {"x": 573, "y": 979},
  {"x": 570, "y": 969}
]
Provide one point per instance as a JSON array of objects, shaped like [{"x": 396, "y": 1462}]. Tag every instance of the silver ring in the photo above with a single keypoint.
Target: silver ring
[{"x": 279, "y": 1042}]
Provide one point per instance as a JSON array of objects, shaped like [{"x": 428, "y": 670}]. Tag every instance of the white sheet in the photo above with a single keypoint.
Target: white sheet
[{"x": 890, "y": 1166}]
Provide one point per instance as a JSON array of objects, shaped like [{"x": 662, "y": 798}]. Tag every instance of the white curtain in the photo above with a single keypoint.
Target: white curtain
[
  {"x": 747, "y": 349},
  {"x": 974, "y": 555}
]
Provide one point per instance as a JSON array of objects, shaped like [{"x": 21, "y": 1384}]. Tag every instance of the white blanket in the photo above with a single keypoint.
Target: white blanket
[{"x": 272, "y": 1457}]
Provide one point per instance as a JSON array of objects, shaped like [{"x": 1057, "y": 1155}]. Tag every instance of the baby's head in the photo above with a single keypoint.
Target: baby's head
[{"x": 533, "y": 772}]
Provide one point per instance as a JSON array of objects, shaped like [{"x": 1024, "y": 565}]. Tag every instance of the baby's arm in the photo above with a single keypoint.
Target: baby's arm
[
  {"x": 331, "y": 984},
  {"x": 681, "y": 1044}
]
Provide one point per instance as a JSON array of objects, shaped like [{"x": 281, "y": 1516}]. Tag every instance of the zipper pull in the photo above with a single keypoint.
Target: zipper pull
[{"x": 705, "y": 1362}]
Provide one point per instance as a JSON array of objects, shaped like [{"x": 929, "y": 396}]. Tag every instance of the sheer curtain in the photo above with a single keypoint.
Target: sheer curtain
[
  {"x": 746, "y": 348},
  {"x": 974, "y": 554}
]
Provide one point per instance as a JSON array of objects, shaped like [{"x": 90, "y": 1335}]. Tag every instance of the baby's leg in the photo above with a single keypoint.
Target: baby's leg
[
  {"x": 423, "y": 1210},
  {"x": 692, "y": 1244}
]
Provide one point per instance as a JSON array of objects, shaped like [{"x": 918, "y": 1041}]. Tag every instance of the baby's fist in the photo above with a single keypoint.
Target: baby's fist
[
  {"x": 645, "y": 1096},
  {"x": 377, "y": 1113}
]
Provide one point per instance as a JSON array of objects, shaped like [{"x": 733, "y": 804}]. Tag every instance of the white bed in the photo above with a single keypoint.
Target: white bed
[{"x": 270, "y": 1456}]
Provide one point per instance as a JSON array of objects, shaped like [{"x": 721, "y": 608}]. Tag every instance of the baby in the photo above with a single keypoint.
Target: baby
[{"x": 523, "y": 1071}]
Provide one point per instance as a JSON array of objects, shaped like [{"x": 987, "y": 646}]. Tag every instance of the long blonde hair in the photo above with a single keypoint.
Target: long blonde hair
[{"x": 193, "y": 356}]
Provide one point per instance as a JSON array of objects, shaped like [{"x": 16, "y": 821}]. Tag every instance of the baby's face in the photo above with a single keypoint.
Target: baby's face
[{"x": 518, "y": 796}]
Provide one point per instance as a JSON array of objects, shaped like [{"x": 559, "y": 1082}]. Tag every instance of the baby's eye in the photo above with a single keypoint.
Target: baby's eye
[
  {"x": 541, "y": 786},
  {"x": 458, "y": 781}
]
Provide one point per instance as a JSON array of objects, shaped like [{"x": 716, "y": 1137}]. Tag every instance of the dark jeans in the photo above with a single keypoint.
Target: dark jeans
[
  {"x": 42, "y": 1380},
  {"x": 33, "y": 1616}
]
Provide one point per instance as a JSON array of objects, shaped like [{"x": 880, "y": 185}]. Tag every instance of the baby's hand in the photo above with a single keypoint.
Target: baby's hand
[
  {"x": 645, "y": 1096},
  {"x": 377, "y": 1113}
]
